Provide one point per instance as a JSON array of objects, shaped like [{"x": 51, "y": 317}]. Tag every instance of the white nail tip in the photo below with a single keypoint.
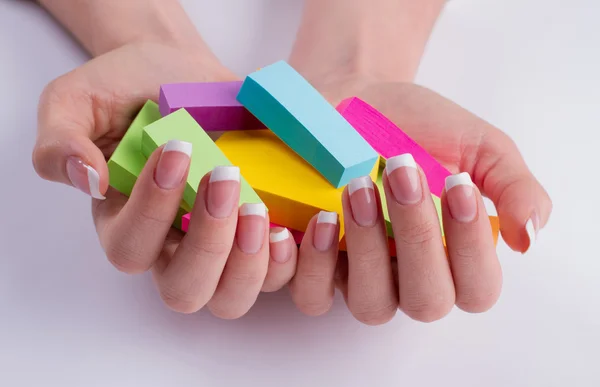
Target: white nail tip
[
  {"x": 253, "y": 209},
  {"x": 178, "y": 146},
  {"x": 94, "y": 183},
  {"x": 359, "y": 183},
  {"x": 530, "y": 229},
  {"x": 460, "y": 179},
  {"x": 282, "y": 235},
  {"x": 225, "y": 173},
  {"x": 327, "y": 217},
  {"x": 404, "y": 160}
]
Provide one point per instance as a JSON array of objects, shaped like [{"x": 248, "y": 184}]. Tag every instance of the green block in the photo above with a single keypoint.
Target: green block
[
  {"x": 388, "y": 224},
  {"x": 127, "y": 161},
  {"x": 206, "y": 155}
]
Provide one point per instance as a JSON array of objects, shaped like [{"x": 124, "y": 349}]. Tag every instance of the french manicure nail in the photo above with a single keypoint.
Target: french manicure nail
[
  {"x": 222, "y": 195},
  {"x": 531, "y": 228},
  {"x": 461, "y": 197},
  {"x": 84, "y": 177},
  {"x": 362, "y": 201},
  {"x": 251, "y": 227},
  {"x": 404, "y": 179},
  {"x": 280, "y": 249},
  {"x": 173, "y": 164},
  {"x": 325, "y": 230}
]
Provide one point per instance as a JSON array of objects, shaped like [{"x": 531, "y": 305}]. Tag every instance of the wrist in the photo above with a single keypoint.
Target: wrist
[
  {"x": 382, "y": 40},
  {"x": 104, "y": 25}
]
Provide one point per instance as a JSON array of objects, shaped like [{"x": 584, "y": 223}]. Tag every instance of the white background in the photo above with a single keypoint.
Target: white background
[{"x": 68, "y": 319}]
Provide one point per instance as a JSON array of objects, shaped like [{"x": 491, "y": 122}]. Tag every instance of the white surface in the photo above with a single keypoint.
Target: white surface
[{"x": 69, "y": 319}]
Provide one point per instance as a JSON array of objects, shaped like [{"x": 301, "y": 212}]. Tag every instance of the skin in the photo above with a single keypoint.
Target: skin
[{"x": 84, "y": 113}]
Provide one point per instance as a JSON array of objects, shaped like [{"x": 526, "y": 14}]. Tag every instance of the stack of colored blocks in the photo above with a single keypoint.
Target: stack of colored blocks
[{"x": 295, "y": 151}]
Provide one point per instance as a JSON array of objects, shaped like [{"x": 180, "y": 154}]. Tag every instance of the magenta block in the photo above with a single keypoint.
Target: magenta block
[
  {"x": 213, "y": 105},
  {"x": 185, "y": 222},
  {"x": 389, "y": 140}
]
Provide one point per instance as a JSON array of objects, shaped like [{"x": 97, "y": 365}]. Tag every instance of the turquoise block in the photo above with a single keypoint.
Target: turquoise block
[{"x": 301, "y": 117}]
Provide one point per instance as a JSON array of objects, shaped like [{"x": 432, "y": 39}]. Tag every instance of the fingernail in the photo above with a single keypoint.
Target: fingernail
[
  {"x": 362, "y": 201},
  {"x": 222, "y": 197},
  {"x": 531, "y": 228},
  {"x": 404, "y": 180},
  {"x": 251, "y": 227},
  {"x": 84, "y": 177},
  {"x": 280, "y": 248},
  {"x": 173, "y": 163},
  {"x": 325, "y": 230},
  {"x": 461, "y": 197}
]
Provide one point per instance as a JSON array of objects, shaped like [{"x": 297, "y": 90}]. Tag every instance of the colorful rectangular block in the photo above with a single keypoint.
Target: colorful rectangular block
[
  {"x": 206, "y": 155},
  {"x": 290, "y": 187},
  {"x": 389, "y": 140},
  {"x": 127, "y": 161},
  {"x": 212, "y": 104},
  {"x": 303, "y": 119}
]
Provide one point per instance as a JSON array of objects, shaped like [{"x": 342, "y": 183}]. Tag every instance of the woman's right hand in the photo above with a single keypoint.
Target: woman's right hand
[{"x": 223, "y": 261}]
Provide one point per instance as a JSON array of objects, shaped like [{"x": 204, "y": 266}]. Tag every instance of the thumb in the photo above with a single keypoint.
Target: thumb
[
  {"x": 63, "y": 151},
  {"x": 522, "y": 203}
]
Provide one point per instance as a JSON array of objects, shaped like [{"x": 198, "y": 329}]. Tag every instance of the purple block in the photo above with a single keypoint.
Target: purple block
[{"x": 212, "y": 104}]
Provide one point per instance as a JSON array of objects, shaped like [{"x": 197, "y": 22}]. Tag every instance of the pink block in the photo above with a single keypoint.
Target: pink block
[
  {"x": 213, "y": 105},
  {"x": 185, "y": 222},
  {"x": 297, "y": 235},
  {"x": 389, "y": 140}
]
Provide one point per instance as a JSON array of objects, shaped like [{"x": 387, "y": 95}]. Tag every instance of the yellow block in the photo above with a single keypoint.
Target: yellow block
[{"x": 292, "y": 189}]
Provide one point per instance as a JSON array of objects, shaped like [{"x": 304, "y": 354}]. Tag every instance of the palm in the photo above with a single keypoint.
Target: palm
[
  {"x": 455, "y": 137},
  {"x": 108, "y": 90},
  {"x": 106, "y": 93}
]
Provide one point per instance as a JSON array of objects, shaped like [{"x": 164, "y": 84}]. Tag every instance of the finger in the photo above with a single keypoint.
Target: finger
[
  {"x": 312, "y": 287},
  {"x": 475, "y": 266},
  {"x": 247, "y": 265},
  {"x": 372, "y": 295},
  {"x": 133, "y": 237},
  {"x": 191, "y": 277},
  {"x": 425, "y": 280},
  {"x": 64, "y": 151},
  {"x": 282, "y": 263},
  {"x": 523, "y": 205}
]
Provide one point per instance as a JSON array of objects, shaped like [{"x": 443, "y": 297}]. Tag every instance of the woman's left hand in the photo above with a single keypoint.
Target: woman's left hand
[{"x": 424, "y": 281}]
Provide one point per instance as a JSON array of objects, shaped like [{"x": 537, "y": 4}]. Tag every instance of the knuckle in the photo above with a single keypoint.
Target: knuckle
[
  {"x": 311, "y": 278},
  {"x": 246, "y": 278},
  {"x": 428, "y": 309},
  {"x": 206, "y": 248},
  {"x": 149, "y": 216},
  {"x": 467, "y": 254},
  {"x": 178, "y": 300},
  {"x": 375, "y": 314},
  {"x": 368, "y": 258},
  {"x": 418, "y": 235}
]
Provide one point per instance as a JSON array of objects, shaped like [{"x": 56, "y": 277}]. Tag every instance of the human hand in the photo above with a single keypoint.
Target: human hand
[
  {"x": 427, "y": 284},
  {"x": 222, "y": 261}
]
